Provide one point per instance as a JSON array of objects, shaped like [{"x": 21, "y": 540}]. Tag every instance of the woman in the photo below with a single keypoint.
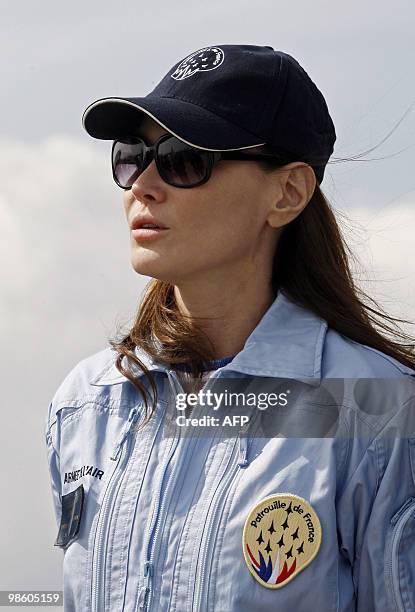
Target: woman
[{"x": 304, "y": 500}]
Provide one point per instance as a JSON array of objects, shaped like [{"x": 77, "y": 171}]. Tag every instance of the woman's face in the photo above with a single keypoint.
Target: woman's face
[{"x": 216, "y": 229}]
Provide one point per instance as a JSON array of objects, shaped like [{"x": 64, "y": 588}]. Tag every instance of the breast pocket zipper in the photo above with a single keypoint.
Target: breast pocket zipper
[
  {"x": 200, "y": 594},
  {"x": 144, "y": 596},
  {"x": 398, "y": 523},
  {"x": 120, "y": 454}
]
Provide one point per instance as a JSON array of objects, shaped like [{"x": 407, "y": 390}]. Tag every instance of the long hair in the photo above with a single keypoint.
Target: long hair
[{"x": 310, "y": 266}]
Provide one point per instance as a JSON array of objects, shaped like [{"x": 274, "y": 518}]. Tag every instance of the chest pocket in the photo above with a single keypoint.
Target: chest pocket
[
  {"x": 399, "y": 557},
  {"x": 85, "y": 446},
  {"x": 399, "y": 552},
  {"x": 278, "y": 469}
]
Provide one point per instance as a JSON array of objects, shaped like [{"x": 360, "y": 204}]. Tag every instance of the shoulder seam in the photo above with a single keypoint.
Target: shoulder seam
[{"x": 396, "y": 364}]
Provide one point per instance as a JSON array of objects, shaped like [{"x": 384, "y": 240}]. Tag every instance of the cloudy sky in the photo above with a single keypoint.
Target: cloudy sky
[{"x": 67, "y": 281}]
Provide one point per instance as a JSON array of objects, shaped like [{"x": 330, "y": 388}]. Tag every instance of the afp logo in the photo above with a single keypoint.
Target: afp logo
[{"x": 202, "y": 60}]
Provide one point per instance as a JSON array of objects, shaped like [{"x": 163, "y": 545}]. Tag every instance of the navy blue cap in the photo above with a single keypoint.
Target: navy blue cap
[{"x": 229, "y": 97}]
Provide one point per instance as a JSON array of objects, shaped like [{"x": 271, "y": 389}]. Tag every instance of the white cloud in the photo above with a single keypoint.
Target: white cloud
[
  {"x": 68, "y": 277},
  {"x": 383, "y": 241}
]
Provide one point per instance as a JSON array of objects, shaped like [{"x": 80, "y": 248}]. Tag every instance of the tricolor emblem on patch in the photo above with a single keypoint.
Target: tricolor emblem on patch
[{"x": 281, "y": 536}]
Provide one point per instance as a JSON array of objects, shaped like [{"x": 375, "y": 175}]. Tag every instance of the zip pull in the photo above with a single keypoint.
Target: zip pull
[
  {"x": 148, "y": 573},
  {"x": 141, "y": 602},
  {"x": 243, "y": 460},
  {"x": 401, "y": 510},
  {"x": 132, "y": 418},
  {"x": 243, "y": 451}
]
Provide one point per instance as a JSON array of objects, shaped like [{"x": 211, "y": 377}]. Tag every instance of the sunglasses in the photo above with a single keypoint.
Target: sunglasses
[{"x": 178, "y": 163}]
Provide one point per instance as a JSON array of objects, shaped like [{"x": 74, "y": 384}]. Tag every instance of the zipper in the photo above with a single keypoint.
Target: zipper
[
  {"x": 104, "y": 517},
  {"x": 145, "y": 592},
  {"x": 200, "y": 593},
  {"x": 144, "y": 596},
  {"x": 399, "y": 521},
  {"x": 401, "y": 510}
]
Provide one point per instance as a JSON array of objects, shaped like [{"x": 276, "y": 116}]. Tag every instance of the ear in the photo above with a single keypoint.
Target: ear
[{"x": 297, "y": 183}]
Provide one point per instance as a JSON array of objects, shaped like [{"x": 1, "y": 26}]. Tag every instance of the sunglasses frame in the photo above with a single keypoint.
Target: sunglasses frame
[{"x": 151, "y": 152}]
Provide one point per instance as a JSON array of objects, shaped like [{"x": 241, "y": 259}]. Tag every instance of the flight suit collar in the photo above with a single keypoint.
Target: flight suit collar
[{"x": 286, "y": 343}]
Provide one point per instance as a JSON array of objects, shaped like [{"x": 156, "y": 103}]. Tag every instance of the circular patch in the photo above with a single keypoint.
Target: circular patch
[
  {"x": 282, "y": 535},
  {"x": 203, "y": 60}
]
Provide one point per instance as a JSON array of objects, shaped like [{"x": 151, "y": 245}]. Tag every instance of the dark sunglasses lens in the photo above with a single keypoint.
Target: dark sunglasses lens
[
  {"x": 127, "y": 162},
  {"x": 180, "y": 164}
]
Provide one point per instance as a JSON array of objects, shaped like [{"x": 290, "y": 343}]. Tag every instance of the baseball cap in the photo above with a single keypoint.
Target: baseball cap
[{"x": 229, "y": 97}]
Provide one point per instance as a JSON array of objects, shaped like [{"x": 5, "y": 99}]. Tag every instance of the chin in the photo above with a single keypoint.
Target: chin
[{"x": 150, "y": 266}]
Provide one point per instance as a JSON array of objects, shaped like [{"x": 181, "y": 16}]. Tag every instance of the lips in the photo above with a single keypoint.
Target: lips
[{"x": 140, "y": 220}]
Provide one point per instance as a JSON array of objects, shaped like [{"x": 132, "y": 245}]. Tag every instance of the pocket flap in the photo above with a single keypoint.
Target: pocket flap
[{"x": 72, "y": 506}]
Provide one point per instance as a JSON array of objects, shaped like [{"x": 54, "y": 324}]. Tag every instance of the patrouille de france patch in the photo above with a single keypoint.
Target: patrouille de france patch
[{"x": 282, "y": 535}]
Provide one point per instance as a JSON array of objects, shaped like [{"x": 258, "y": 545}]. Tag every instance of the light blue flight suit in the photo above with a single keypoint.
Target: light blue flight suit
[{"x": 155, "y": 521}]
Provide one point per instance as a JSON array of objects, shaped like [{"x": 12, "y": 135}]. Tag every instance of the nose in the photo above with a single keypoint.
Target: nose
[{"x": 149, "y": 186}]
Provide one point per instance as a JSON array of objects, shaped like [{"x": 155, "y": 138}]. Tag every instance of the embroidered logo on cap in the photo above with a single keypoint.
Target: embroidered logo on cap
[
  {"x": 282, "y": 535},
  {"x": 202, "y": 60}
]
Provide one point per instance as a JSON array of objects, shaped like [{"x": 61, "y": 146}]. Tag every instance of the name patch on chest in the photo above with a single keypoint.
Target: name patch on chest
[
  {"x": 85, "y": 470},
  {"x": 281, "y": 536}
]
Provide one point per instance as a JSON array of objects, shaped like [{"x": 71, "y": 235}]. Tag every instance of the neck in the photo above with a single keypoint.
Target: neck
[{"x": 227, "y": 312}]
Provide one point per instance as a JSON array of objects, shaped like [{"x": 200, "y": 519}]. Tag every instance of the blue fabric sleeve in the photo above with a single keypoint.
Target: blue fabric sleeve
[{"x": 376, "y": 519}]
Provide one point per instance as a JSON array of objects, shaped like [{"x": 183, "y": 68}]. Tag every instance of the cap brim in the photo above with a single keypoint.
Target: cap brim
[{"x": 112, "y": 118}]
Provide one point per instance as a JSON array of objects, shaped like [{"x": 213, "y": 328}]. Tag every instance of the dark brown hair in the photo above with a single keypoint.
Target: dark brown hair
[{"x": 311, "y": 267}]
